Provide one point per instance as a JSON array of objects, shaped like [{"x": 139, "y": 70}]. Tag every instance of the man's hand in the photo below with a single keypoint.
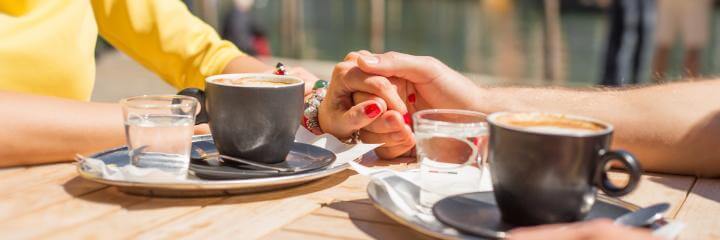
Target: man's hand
[
  {"x": 593, "y": 230},
  {"x": 424, "y": 83}
]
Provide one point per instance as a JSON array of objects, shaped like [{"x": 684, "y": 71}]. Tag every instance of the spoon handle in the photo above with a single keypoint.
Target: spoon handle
[
  {"x": 644, "y": 216},
  {"x": 254, "y": 164}
]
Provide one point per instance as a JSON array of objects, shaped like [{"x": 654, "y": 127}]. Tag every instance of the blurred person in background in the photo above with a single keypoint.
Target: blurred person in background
[
  {"x": 628, "y": 49},
  {"x": 688, "y": 20},
  {"x": 241, "y": 29}
]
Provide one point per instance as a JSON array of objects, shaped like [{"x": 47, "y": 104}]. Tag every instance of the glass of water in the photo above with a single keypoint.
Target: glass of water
[
  {"x": 451, "y": 149},
  {"x": 159, "y": 130}
]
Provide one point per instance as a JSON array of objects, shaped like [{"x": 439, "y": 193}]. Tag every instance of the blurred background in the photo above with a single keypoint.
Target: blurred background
[{"x": 497, "y": 42}]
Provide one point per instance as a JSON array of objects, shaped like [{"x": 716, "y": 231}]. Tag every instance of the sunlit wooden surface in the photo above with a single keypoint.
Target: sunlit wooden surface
[{"x": 51, "y": 201}]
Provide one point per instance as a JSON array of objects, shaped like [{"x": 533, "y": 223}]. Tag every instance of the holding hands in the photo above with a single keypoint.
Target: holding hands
[{"x": 376, "y": 95}]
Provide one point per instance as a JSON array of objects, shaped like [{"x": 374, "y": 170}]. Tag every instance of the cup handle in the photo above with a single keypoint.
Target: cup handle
[
  {"x": 628, "y": 160},
  {"x": 202, "y": 117}
]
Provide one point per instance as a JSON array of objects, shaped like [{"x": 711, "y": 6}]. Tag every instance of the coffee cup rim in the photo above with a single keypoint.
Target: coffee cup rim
[
  {"x": 211, "y": 79},
  {"x": 608, "y": 127}
]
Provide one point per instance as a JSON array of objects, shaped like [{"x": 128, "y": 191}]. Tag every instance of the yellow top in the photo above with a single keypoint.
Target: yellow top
[{"x": 47, "y": 46}]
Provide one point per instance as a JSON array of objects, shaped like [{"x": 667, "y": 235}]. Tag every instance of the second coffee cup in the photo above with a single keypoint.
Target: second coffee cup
[
  {"x": 251, "y": 116},
  {"x": 546, "y": 167}
]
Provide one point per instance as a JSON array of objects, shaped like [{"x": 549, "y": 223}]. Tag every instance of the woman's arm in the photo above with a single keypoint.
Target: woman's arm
[
  {"x": 166, "y": 38},
  {"x": 39, "y": 129}
]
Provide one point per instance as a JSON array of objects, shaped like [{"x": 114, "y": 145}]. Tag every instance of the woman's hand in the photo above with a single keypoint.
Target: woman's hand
[
  {"x": 339, "y": 115},
  {"x": 425, "y": 83}
]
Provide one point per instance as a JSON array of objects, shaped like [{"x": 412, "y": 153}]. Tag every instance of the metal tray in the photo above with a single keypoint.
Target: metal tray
[
  {"x": 196, "y": 187},
  {"x": 426, "y": 223}
]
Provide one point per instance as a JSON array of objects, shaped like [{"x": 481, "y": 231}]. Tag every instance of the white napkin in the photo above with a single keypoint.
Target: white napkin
[{"x": 344, "y": 152}]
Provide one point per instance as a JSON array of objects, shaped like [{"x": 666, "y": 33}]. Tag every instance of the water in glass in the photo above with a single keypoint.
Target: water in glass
[
  {"x": 450, "y": 156},
  {"x": 161, "y": 141}
]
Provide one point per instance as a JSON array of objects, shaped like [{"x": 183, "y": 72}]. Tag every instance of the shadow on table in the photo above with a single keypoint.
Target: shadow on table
[
  {"x": 111, "y": 195},
  {"x": 371, "y": 221}
]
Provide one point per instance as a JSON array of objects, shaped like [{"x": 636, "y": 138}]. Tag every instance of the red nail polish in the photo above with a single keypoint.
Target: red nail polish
[
  {"x": 411, "y": 98},
  {"x": 408, "y": 119},
  {"x": 372, "y": 110}
]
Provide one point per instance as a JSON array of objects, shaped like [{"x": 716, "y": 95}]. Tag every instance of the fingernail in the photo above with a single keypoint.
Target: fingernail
[
  {"x": 372, "y": 110},
  {"x": 370, "y": 59},
  {"x": 407, "y": 118},
  {"x": 411, "y": 98}
]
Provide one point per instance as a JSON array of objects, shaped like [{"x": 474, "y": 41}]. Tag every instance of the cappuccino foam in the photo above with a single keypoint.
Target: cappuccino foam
[{"x": 551, "y": 123}]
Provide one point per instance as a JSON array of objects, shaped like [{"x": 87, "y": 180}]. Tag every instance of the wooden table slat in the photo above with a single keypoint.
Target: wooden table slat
[
  {"x": 6, "y": 172},
  {"x": 288, "y": 234},
  {"x": 67, "y": 214},
  {"x": 355, "y": 210},
  {"x": 39, "y": 196},
  {"x": 234, "y": 218},
  {"x": 36, "y": 176},
  {"x": 134, "y": 219},
  {"x": 672, "y": 188},
  {"x": 351, "y": 228},
  {"x": 701, "y": 211}
]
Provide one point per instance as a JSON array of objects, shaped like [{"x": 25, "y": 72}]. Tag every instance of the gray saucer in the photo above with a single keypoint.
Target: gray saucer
[
  {"x": 477, "y": 213},
  {"x": 302, "y": 158}
]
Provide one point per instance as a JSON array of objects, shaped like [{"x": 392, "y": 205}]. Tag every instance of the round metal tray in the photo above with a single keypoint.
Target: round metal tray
[{"x": 196, "y": 187}]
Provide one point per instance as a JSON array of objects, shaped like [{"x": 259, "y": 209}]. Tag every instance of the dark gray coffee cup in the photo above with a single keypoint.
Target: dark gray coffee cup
[
  {"x": 252, "y": 122},
  {"x": 542, "y": 177}
]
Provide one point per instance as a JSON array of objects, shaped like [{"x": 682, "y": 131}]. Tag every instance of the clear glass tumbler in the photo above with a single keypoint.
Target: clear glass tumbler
[
  {"x": 159, "y": 130},
  {"x": 451, "y": 149}
]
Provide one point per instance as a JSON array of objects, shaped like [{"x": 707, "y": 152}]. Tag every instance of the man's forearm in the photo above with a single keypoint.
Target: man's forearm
[
  {"x": 39, "y": 129},
  {"x": 671, "y": 128}
]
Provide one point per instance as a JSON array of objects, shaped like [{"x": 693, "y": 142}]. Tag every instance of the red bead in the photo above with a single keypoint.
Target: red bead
[{"x": 411, "y": 98}]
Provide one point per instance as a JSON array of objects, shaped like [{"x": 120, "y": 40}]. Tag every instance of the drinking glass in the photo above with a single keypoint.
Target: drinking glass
[
  {"x": 159, "y": 130},
  {"x": 451, "y": 149}
]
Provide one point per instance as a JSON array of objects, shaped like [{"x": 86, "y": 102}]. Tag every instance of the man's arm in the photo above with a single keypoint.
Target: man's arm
[{"x": 671, "y": 128}]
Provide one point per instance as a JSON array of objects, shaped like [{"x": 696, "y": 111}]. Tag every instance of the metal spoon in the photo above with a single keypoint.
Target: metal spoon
[
  {"x": 644, "y": 216},
  {"x": 258, "y": 166}
]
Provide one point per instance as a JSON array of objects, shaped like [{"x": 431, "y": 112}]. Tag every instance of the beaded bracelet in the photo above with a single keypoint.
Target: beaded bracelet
[
  {"x": 312, "y": 104},
  {"x": 312, "y": 107}
]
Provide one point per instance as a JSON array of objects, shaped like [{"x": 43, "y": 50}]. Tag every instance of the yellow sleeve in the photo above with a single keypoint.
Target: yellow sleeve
[{"x": 166, "y": 38}]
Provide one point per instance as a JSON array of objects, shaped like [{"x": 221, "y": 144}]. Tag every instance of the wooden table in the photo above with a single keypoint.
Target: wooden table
[{"x": 51, "y": 201}]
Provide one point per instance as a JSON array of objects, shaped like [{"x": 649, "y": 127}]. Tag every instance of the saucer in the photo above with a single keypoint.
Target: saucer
[
  {"x": 477, "y": 213},
  {"x": 301, "y": 158},
  {"x": 194, "y": 186}
]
